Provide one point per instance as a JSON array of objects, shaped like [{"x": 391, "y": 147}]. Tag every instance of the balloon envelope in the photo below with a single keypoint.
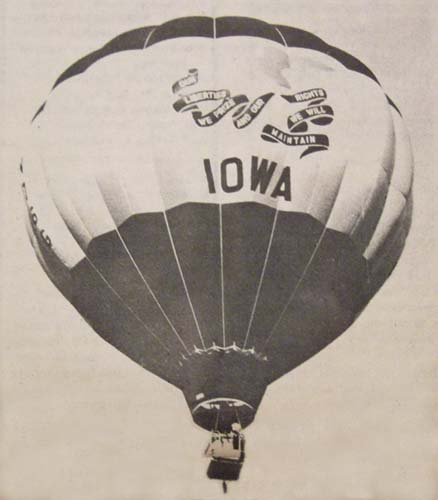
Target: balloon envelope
[{"x": 219, "y": 199}]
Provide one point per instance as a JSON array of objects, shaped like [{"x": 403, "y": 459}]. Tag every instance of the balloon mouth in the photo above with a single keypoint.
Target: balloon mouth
[
  {"x": 218, "y": 403},
  {"x": 221, "y": 413},
  {"x": 224, "y": 385}
]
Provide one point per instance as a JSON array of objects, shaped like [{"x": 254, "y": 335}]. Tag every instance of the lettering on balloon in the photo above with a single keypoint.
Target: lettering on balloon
[
  {"x": 298, "y": 122},
  {"x": 190, "y": 79},
  {"x": 208, "y": 107},
  {"x": 33, "y": 216},
  {"x": 245, "y": 111},
  {"x": 232, "y": 177}
]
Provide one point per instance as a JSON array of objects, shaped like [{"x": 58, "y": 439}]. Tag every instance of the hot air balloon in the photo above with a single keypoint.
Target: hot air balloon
[{"x": 219, "y": 198}]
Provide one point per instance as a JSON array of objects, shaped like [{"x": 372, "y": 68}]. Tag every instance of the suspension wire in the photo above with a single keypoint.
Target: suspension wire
[
  {"x": 237, "y": 415},
  {"x": 139, "y": 272},
  {"x": 216, "y": 425},
  {"x": 103, "y": 278},
  {"x": 262, "y": 275}
]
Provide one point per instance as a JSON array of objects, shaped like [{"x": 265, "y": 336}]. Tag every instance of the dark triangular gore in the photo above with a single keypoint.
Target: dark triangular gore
[
  {"x": 138, "y": 262},
  {"x": 111, "y": 316},
  {"x": 331, "y": 292},
  {"x": 195, "y": 229}
]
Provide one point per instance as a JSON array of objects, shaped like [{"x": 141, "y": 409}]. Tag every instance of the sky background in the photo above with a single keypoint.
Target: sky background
[{"x": 81, "y": 421}]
